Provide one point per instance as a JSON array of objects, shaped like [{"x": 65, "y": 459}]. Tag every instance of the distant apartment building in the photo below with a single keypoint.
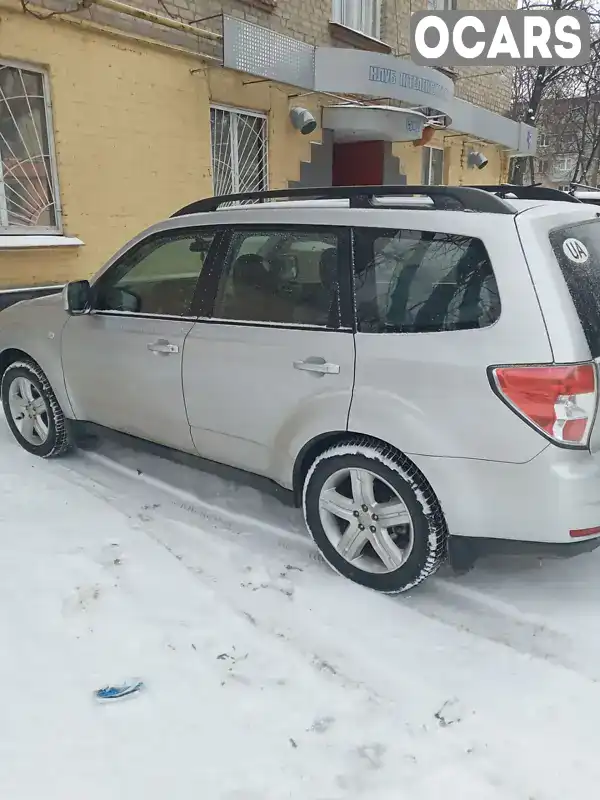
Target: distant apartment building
[
  {"x": 568, "y": 142},
  {"x": 112, "y": 116}
]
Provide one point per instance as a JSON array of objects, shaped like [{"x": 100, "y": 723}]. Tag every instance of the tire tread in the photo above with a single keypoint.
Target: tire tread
[{"x": 62, "y": 440}]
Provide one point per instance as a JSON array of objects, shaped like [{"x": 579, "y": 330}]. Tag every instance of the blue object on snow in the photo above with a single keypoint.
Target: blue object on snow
[{"x": 116, "y": 692}]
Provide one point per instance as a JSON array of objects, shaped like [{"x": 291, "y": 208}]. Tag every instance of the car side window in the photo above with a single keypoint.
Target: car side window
[
  {"x": 286, "y": 276},
  {"x": 419, "y": 281},
  {"x": 158, "y": 276}
]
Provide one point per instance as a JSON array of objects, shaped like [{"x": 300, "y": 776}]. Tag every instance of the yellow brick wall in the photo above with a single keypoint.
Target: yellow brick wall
[
  {"x": 130, "y": 128},
  {"x": 132, "y": 136},
  {"x": 287, "y": 147},
  {"x": 456, "y": 171}
]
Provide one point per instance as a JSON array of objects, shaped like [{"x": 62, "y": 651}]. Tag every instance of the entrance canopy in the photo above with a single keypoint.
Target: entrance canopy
[
  {"x": 267, "y": 54},
  {"x": 358, "y": 123}
]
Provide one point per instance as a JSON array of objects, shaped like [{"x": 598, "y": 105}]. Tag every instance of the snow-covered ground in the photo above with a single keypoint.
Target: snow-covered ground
[{"x": 267, "y": 676}]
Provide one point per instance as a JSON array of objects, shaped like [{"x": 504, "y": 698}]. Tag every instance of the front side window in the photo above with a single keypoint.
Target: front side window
[
  {"x": 283, "y": 276},
  {"x": 28, "y": 190},
  {"x": 239, "y": 151},
  {"x": 420, "y": 282},
  {"x": 363, "y": 16},
  {"x": 432, "y": 166},
  {"x": 157, "y": 277}
]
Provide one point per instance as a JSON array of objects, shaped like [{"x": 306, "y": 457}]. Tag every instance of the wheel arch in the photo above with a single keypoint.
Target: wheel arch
[
  {"x": 311, "y": 450},
  {"x": 46, "y": 356},
  {"x": 10, "y": 355},
  {"x": 319, "y": 444}
]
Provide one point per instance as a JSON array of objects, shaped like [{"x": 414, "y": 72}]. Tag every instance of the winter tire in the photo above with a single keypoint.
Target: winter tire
[
  {"x": 373, "y": 516},
  {"x": 33, "y": 412}
]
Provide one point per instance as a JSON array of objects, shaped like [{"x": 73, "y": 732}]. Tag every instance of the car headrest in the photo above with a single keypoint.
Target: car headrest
[{"x": 252, "y": 270}]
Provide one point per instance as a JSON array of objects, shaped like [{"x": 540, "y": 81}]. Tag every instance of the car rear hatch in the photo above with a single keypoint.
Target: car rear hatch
[
  {"x": 576, "y": 247},
  {"x": 562, "y": 247}
]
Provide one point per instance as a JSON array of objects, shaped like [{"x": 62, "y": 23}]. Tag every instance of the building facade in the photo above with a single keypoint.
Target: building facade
[
  {"x": 568, "y": 142},
  {"x": 114, "y": 116}
]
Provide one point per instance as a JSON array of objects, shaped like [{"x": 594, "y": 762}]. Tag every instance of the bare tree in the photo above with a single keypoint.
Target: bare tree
[
  {"x": 569, "y": 116},
  {"x": 533, "y": 85}
]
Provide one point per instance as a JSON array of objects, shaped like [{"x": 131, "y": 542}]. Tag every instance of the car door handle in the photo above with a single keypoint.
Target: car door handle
[
  {"x": 163, "y": 347},
  {"x": 318, "y": 365}
]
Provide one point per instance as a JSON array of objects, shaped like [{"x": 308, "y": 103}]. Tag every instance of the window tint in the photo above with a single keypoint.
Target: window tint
[
  {"x": 417, "y": 281},
  {"x": 577, "y": 249},
  {"x": 157, "y": 277},
  {"x": 285, "y": 276}
]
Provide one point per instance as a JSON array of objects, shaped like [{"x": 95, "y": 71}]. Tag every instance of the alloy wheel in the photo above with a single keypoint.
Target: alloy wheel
[
  {"x": 366, "y": 520},
  {"x": 29, "y": 410}
]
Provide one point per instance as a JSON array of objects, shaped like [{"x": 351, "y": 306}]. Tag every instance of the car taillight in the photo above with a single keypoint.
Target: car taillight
[{"x": 558, "y": 400}]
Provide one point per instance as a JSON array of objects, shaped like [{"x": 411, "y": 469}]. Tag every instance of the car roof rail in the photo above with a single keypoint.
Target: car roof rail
[
  {"x": 573, "y": 186},
  {"x": 533, "y": 192},
  {"x": 464, "y": 198}
]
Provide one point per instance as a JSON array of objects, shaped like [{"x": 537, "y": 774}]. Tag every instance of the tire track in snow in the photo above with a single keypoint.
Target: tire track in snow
[
  {"x": 443, "y": 600},
  {"x": 371, "y": 662}
]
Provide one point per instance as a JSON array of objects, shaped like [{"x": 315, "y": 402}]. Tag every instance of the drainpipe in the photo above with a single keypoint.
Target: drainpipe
[{"x": 149, "y": 16}]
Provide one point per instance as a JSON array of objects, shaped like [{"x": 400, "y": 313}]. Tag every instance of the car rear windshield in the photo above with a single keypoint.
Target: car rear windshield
[{"x": 577, "y": 249}]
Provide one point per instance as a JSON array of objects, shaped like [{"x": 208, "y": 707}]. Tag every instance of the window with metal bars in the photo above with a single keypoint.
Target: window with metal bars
[
  {"x": 239, "y": 150},
  {"x": 363, "y": 16},
  {"x": 28, "y": 186}
]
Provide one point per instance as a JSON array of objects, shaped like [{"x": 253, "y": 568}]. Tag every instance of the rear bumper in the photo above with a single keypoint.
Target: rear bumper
[
  {"x": 463, "y": 551},
  {"x": 537, "y": 502}
]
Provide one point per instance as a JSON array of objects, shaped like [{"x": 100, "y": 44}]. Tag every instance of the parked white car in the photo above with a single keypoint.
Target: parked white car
[{"x": 417, "y": 365}]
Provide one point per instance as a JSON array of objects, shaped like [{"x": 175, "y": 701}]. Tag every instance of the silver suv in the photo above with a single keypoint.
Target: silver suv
[{"x": 417, "y": 365}]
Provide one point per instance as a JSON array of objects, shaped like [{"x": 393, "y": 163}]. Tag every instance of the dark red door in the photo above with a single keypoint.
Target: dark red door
[{"x": 357, "y": 164}]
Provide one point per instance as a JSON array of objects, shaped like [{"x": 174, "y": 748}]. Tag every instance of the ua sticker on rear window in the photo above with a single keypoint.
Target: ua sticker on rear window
[{"x": 575, "y": 251}]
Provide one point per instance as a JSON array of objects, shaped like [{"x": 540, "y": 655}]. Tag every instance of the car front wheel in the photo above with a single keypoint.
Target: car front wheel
[
  {"x": 373, "y": 516},
  {"x": 32, "y": 411}
]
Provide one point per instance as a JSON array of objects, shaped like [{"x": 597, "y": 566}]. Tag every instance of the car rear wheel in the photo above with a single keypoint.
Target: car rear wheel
[
  {"x": 373, "y": 516},
  {"x": 33, "y": 412}
]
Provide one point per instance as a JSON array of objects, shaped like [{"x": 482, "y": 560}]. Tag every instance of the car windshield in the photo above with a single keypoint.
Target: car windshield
[{"x": 577, "y": 249}]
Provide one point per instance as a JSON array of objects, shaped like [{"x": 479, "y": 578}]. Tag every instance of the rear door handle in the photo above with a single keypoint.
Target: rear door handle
[
  {"x": 318, "y": 365},
  {"x": 162, "y": 347}
]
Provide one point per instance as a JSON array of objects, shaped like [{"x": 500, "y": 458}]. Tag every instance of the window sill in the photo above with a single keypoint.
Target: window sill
[
  {"x": 357, "y": 39},
  {"x": 17, "y": 242}
]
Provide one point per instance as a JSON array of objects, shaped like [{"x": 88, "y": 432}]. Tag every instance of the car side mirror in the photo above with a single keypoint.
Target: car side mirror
[{"x": 76, "y": 297}]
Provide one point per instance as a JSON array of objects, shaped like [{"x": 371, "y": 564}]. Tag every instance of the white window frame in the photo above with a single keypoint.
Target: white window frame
[
  {"x": 442, "y": 5},
  {"x": 543, "y": 165},
  {"x": 543, "y": 140},
  {"x": 564, "y": 163},
  {"x": 235, "y": 172},
  {"x": 35, "y": 230},
  {"x": 430, "y": 150},
  {"x": 362, "y": 16}
]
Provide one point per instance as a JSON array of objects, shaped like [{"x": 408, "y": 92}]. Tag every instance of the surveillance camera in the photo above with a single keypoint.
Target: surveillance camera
[
  {"x": 477, "y": 160},
  {"x": 302, "y": 120}
]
